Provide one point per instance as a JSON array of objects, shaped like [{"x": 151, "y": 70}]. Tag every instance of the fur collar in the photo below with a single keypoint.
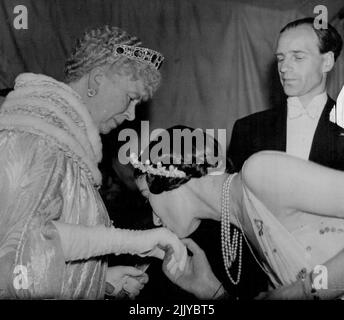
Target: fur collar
[{"x": 40, "y": 104}]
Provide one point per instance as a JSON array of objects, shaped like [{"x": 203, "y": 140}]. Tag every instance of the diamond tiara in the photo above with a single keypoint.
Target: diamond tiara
[
  {"x": 158, "y": 171},
  {"x": 141, "y": 54}
]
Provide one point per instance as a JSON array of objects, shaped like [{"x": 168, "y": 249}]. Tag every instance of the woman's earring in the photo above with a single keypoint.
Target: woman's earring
[
  {"x": 156, "y": 220},
  {"x": 91, "y": 92}
]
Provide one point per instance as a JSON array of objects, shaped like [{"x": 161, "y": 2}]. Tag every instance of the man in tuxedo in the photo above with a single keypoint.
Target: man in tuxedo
[{"x": 301, "y": 126}]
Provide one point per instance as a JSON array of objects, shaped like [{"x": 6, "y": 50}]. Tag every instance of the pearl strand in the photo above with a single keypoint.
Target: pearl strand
[{"x": 229, "y": 245}]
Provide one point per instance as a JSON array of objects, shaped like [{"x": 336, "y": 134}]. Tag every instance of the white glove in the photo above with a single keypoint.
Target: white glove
[{"x": 81, "y": 242}]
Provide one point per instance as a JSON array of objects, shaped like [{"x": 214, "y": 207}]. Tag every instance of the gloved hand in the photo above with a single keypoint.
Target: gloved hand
[{"x": 81, "y": 242}]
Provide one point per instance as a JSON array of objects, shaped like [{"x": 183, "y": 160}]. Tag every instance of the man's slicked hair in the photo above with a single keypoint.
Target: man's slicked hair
[{"x": 329, "y": 38}]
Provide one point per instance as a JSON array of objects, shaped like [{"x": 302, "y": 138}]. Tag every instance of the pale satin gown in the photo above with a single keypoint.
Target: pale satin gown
[{"x": 288, "y": 244}]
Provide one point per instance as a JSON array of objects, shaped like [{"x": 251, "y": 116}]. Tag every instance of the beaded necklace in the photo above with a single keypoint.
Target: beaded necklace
[{"x": 230, "y": 245}]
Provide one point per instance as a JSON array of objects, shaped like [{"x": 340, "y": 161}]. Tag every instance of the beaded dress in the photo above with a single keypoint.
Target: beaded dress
[{"x": 286, "y": 245}]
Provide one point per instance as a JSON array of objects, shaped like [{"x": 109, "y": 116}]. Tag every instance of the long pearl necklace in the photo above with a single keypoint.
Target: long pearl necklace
[{"x": 229, "y": 246}]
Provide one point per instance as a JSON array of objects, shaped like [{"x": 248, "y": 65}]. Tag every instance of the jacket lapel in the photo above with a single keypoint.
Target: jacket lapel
[
  {"x": 278, "y": 133},
  {"x": 322, "y": 150},
  {"x": 270, "y": 132}
]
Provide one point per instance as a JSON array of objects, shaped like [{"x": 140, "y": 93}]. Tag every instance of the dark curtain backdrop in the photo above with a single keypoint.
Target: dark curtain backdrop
[{"x": 219, "y": 54}]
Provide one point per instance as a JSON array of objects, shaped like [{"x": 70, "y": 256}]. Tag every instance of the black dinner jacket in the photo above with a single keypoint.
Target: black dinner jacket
[{"x": 266, "y": 130}]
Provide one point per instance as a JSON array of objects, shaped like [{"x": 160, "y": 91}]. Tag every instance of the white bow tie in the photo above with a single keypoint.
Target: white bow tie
[{"x": 296, "y": 110}]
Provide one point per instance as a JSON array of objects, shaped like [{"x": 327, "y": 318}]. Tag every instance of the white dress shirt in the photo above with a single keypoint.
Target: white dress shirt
[{"x": 301, "y": 124}]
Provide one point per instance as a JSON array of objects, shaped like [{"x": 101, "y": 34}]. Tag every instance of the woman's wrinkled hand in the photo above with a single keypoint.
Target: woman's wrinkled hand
[{"x": 124, "y": 281}]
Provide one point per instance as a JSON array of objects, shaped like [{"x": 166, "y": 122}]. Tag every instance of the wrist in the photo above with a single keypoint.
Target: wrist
[
  {"x": 220, "y": 293},
  {"x": 209, "y": 289}
]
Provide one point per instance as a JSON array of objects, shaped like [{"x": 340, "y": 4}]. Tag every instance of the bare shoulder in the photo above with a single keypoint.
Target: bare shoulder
[
  {"x": 261, "y": 162},
  {"x": 270, "y": 171}
]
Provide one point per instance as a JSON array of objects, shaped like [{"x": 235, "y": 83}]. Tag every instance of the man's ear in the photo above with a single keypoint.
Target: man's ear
[
  {"x": 328, "y": 61},
  {"x": 95, "y": 78}
]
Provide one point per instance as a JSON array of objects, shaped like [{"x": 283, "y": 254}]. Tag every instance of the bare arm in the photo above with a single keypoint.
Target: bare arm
[{"x": 285, "y": 184}]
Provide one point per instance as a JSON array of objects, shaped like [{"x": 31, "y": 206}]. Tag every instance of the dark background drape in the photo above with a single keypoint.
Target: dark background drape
[{"x": 219, "y": 53}]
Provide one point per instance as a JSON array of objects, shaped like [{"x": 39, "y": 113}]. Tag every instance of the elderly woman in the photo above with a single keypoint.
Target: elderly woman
[{"x": 54, "y": 229}]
